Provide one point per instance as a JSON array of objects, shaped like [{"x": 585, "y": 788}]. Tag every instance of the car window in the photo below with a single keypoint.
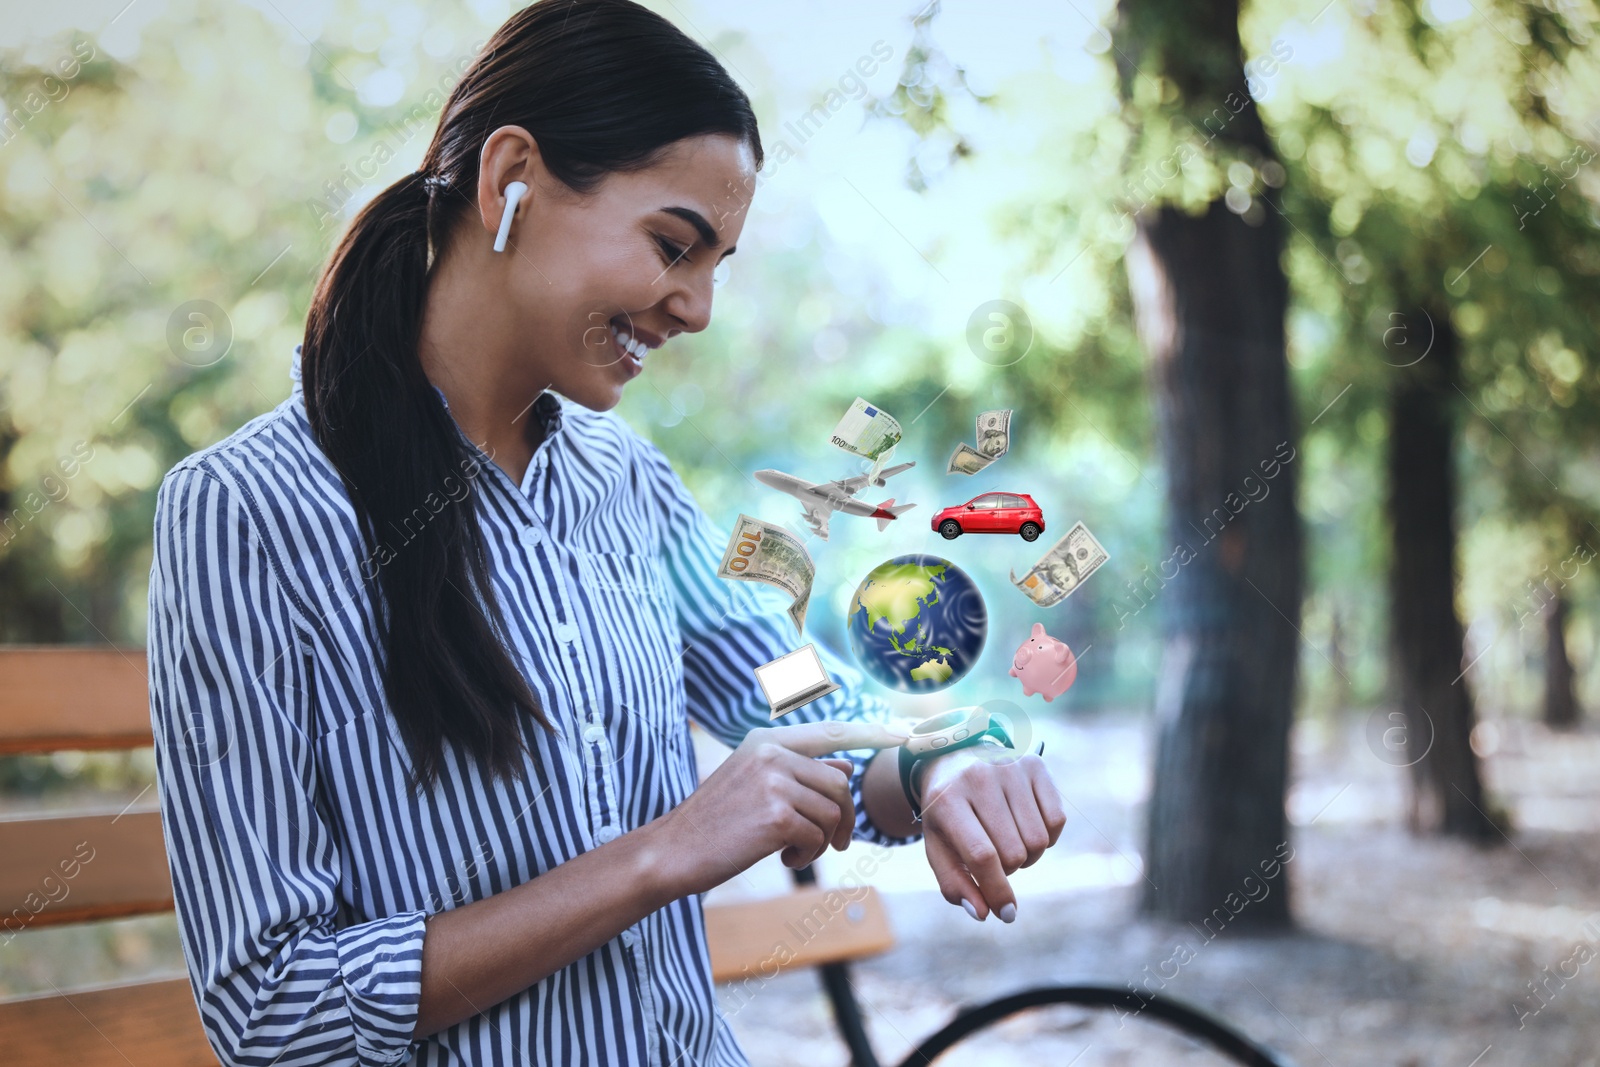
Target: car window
[
  {"x": 1014, "y": 501},
  {"x": 990, "y": 501}
]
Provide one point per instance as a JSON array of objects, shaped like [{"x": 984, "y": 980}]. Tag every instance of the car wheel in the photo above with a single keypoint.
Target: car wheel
[
  {"x": 1029, "y": 531},
  {"x": 950, "y": 529}
]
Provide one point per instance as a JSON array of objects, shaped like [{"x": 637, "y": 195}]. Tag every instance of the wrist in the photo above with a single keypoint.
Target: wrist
[
  {"x": 661, "y": 866},
  {"x": 915, "y": 782},
  {"x": 961, "y": 729},
  {"x": 923, "y": 773}
]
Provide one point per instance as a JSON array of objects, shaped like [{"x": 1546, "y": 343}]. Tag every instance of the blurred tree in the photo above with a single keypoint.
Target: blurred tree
[
  {"x": 1420, "y": 172},
  {"x": 162, "y": 218},
  {"x": 149, "y": 248},
  {"x": 1549, "y": 598},
  {"x": 1561, "y": 709},
  {"x": 1426, "y": 632},
  {"x": 1427, "y": 155},
  {"x": 1210, "y": 297}
]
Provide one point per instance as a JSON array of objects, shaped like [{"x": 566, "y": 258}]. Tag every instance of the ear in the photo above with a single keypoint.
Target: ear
[
  {"x": 1038, "y": 629},
  {"x": 508, "y": 154}
]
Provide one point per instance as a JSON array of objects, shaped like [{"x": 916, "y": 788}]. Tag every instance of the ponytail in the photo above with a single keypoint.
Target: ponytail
[{"x": 379, "y": 420}]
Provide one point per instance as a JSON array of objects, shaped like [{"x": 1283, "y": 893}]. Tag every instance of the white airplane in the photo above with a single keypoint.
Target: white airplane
[{"x": 823, "y": 499}]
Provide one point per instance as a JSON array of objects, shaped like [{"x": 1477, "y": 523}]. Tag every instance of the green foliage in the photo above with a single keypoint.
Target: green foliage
[
  {"x": 1445, "y": 162},
  {"x": 1413, "y": 159},
  {"x": 142, "y": 188},
  {"x": 1408, "y": 157}
]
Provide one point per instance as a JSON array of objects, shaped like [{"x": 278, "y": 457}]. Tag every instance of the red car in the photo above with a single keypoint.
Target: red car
[{"x": 992, "y": 513}]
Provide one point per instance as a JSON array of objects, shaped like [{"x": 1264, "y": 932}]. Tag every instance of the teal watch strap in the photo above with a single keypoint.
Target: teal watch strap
[{"x": 909, "y": 761}]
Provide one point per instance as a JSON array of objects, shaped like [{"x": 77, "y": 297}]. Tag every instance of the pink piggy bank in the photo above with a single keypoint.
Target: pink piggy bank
[{"x": 1045, "y": 665}]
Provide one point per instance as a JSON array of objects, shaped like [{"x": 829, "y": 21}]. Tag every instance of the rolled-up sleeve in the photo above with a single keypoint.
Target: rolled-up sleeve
[
  {"x": 729, "y": 628},
  {"x": 255, "y": 869}
]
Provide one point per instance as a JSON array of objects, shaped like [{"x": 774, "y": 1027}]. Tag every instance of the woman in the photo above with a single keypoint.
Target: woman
[{"x": 425, "y": 639}]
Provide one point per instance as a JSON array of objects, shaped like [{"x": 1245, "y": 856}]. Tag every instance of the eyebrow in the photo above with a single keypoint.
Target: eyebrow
[{"x": 708, "y": 236}]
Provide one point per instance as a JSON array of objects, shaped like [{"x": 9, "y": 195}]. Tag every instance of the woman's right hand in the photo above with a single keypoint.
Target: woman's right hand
[{"x": 772, "y": 793}]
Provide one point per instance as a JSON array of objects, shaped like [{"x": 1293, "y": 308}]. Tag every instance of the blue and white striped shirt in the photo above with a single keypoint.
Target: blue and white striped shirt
[{"x": 303, "y": 865}]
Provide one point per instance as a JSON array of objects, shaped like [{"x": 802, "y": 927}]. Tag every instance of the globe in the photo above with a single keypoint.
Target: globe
[{"x": 917, "y": 623}]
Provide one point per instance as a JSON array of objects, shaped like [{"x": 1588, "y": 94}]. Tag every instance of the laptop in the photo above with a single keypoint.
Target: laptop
[{"x": 794, "y": 680}]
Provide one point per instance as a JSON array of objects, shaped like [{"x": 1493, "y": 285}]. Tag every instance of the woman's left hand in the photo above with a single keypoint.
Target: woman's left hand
[{"x": 986, "y": 812}]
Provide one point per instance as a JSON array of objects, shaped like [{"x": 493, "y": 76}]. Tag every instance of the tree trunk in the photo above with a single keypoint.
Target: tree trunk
[
  {"x": 1209, "y": 294},
  {"x": 1339, "y": 660},
  {"x": 1426, "y": 635},
  {"x": 30, "y": 611},
  {"x": 1561, "y": 710}
]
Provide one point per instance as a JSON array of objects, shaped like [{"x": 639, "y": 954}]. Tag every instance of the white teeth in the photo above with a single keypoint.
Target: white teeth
[{"x": 634, "y": 347}]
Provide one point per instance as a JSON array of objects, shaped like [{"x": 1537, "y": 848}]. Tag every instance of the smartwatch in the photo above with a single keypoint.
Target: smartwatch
[{"x": 946, "y": 732}]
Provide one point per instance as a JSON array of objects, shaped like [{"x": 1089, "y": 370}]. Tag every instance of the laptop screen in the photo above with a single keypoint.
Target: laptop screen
[{"x": 788, "y": 675}]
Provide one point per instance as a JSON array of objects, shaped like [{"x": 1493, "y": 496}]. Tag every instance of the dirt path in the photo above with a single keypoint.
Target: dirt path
[{"x": 1412, "y": 954}]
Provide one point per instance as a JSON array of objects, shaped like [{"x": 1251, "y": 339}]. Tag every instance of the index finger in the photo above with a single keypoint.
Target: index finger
[{"x": 831, "y": 735}]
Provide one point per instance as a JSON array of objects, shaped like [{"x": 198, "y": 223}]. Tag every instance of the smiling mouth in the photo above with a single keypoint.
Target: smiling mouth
[{"x": 630, "y": 347}]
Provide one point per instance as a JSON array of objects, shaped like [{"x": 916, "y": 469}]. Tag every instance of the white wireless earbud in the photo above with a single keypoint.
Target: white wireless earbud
[{"x": 514, "y": 194}]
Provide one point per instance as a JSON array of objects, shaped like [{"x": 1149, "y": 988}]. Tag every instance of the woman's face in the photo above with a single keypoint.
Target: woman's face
[{"x": 603, "y": 279}]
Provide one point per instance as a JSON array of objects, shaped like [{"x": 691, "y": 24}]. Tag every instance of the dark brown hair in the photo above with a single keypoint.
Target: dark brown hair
[{"x": 603, "y": 86}]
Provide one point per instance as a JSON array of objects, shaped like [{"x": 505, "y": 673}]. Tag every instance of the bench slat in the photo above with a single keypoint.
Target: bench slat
[
  {"x": 73, "y": 698},
  {"x": 753, "y": 940},
  {"x": 155, "y": 1023},
  {"x": 149, "y": 1024},
  {"x": 76, "y": 868}
]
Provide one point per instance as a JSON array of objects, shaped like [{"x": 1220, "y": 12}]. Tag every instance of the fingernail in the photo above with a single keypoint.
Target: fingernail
[
  {"x": 1008, "y": 914},
  {"x": 970, "y": 909}
]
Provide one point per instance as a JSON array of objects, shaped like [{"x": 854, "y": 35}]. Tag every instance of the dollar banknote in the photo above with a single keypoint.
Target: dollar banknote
[
  {"x": 1066, "y": 566},
  {"x": 994, "y": 441},
  {"x": 967, "y": 460},
  {"x": 867, "y": 430},
  {"x": 761, "y": 552}
]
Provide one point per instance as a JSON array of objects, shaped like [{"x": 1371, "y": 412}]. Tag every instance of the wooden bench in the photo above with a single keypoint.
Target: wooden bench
[{"x": 54, "y": 699}]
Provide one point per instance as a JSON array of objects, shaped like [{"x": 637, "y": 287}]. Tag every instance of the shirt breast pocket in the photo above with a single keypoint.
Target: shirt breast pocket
[
  {"x": 631, "y": 574},
  {"x": 635, "y": 609}
]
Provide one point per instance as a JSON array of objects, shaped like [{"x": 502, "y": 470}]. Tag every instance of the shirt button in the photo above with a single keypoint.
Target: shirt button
[
  {"x": 607, "y": 834},
  {"x": 531, "y": 535},
  {"x": 567, "y": 632},
  {"x": 630, "y": 938},
  {"x": 594, "y": 733}
]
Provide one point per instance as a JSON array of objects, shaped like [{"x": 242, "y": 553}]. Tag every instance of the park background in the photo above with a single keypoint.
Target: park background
[{"x": 1409, "y": 198}]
